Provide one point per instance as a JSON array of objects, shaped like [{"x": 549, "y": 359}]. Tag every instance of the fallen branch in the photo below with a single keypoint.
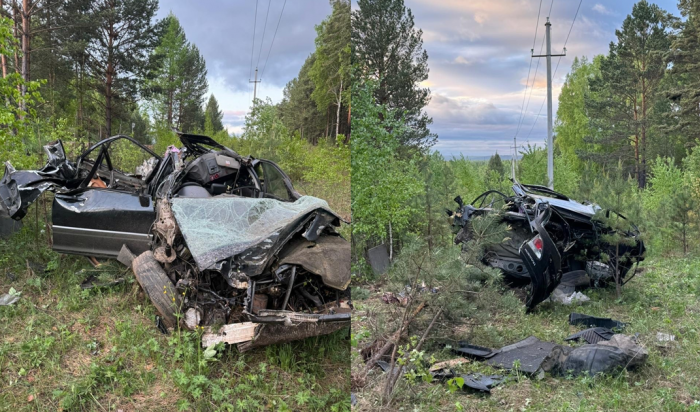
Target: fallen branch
[
  {"x": 391, "y": 341},
  {"x": 392, "y": 377}
]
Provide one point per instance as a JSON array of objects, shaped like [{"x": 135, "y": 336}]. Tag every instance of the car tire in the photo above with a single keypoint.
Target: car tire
[{"x": 155, "y": 282}]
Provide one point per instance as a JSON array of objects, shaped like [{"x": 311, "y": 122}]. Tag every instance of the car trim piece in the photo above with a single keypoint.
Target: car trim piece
[{"x": 107, "y": 233}]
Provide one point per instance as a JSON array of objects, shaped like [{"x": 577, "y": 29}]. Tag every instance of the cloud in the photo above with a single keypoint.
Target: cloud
[
  {"x": 224, "y": 33},
  {"x": 469, "y": 112},
  {"x": 479, "y": 60},
  {"x": 602, "y": 9},
  {"x": 480, "y": 17}
]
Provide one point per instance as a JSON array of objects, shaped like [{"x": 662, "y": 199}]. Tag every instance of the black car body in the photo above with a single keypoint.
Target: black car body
[
  {"x": 214, "y": 236},
  {"x": 550, "y": 235}
]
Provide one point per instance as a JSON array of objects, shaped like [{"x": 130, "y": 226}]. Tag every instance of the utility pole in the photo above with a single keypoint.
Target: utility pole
[
  {"x": 550, "y": 148},
  {"x": 512, "y": 161},
  {"x": 255, "y": 84}
]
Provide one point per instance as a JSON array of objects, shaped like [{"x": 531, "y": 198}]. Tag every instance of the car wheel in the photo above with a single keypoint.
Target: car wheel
[{"x": 158, "y": 287}]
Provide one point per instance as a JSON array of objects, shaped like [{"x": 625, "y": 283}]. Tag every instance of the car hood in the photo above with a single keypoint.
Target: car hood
[
  {"x": 248, "y": 230},
  {"x": 570, "y": 205}
]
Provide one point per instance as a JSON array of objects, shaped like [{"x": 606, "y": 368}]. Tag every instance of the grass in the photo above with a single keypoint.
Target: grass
[
  {"x": 64, "y": 348},
  {"x": 663, "y": 298}
]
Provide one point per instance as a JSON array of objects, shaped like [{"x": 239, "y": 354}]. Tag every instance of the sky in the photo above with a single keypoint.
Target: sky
[
  {"x": 479, "y": 54},
  {"x": 224, "y": 33}
]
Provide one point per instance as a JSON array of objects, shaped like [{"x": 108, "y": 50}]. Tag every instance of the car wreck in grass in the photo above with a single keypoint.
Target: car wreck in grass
[
  {"x": 213, "y": 238},
  {"x": 551, "y": 237}
]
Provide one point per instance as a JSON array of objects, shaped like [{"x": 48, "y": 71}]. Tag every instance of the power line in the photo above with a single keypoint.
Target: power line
[
  {"x": 537, "y": 67},
  {"x": 252, "y": 47},
  {"x": 527, "y": 82},
  {"x": 263, "y": 36},
  {"x": 557, "y": 67},
  {"x": 273, "y": 39},
  {"x": 534, "y": 80}
]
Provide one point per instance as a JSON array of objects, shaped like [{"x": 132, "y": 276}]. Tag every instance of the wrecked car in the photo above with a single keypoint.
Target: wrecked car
[
  {"x": 550, "y": 236},
  {"x": 213, "y": 238}
]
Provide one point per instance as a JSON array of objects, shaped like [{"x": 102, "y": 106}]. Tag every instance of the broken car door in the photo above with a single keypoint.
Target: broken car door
[{"x": 110, "y": 208}]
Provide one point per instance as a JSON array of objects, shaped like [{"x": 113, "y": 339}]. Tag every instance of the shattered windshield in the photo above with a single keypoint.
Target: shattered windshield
[{"x": 219, "y": 227}]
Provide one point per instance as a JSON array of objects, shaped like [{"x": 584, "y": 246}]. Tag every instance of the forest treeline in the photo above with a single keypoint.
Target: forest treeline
[
  {"x": 83, "y": 70},
  {"x": 626, "y": 133}
]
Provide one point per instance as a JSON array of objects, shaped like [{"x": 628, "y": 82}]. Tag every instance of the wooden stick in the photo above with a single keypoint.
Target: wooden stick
[
  {"x": 395, "y": 338},
  {"x": 392, "y": 378}
]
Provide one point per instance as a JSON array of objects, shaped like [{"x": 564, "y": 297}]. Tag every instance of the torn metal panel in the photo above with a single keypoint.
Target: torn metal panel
[{"x": 328, "y": 257}]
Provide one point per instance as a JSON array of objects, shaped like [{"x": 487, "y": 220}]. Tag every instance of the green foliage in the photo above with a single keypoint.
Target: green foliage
[
  {"x": 213, "y": 117},
  {"x": 330, "y": 71},
  {"x": 470, "y": 178},
  {"x": 177, "y": 82},
  {"x": 121, "y": 34},
  {"x": 388, "y": 49},
  {"x": 18, "y": 108},
  {"x": 622, "y": 98},
  {"x": 383, "y": 183},
  {"x": 685, "y": 57},
  {"x": 496, "y": 165},
  {"x": 532, "y": 167},
  {"x": 572, "y": 122},
  {"x": 298, "y": 110},
  {"x": 620, "y": 208}
]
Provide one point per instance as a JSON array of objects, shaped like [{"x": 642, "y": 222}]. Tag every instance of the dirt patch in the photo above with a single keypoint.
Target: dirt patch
[{"x": 75, "y": 362}]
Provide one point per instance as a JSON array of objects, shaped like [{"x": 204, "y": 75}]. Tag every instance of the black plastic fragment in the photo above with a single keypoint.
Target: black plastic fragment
[
  {"x": 474, "y": 351},
  {"x": 529, "y": 354},
  {"x": 592, "y": 335},
  {"x": 592, "y": 321},
  {"x": 481, "y": 382},
  {"x": 161, "y": 327}
]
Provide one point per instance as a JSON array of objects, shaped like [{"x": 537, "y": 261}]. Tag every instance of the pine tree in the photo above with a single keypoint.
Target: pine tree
[
  {"x": 177, "y": 79},
  {"x": 298, "y": 110},
  {"x": 685, "y": 56},
  {"x": 213, "y": 116},
  {"x": 496, "y": 165},
  {"x": 388, "y": 48},
  {"x": 167, "y": 71},
  {"x": 623, "y": 96},
  {"x": 619, "y": 208},
  {"x": 122, "y": 35}
]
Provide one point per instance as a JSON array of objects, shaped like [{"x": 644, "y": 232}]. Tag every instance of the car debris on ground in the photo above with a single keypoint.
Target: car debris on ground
[
  {"x": 10, "y": 298},
  {"x": 551, "y": 238},
  {"x": 534, "y": 357},
  {"x": 605, "y": 351},
  {"x": 214, "y": 238},
  {"x": 665, "y": 337},
  {"x": 591, "y": 335},
  {"x": 578, "y": 319}
]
